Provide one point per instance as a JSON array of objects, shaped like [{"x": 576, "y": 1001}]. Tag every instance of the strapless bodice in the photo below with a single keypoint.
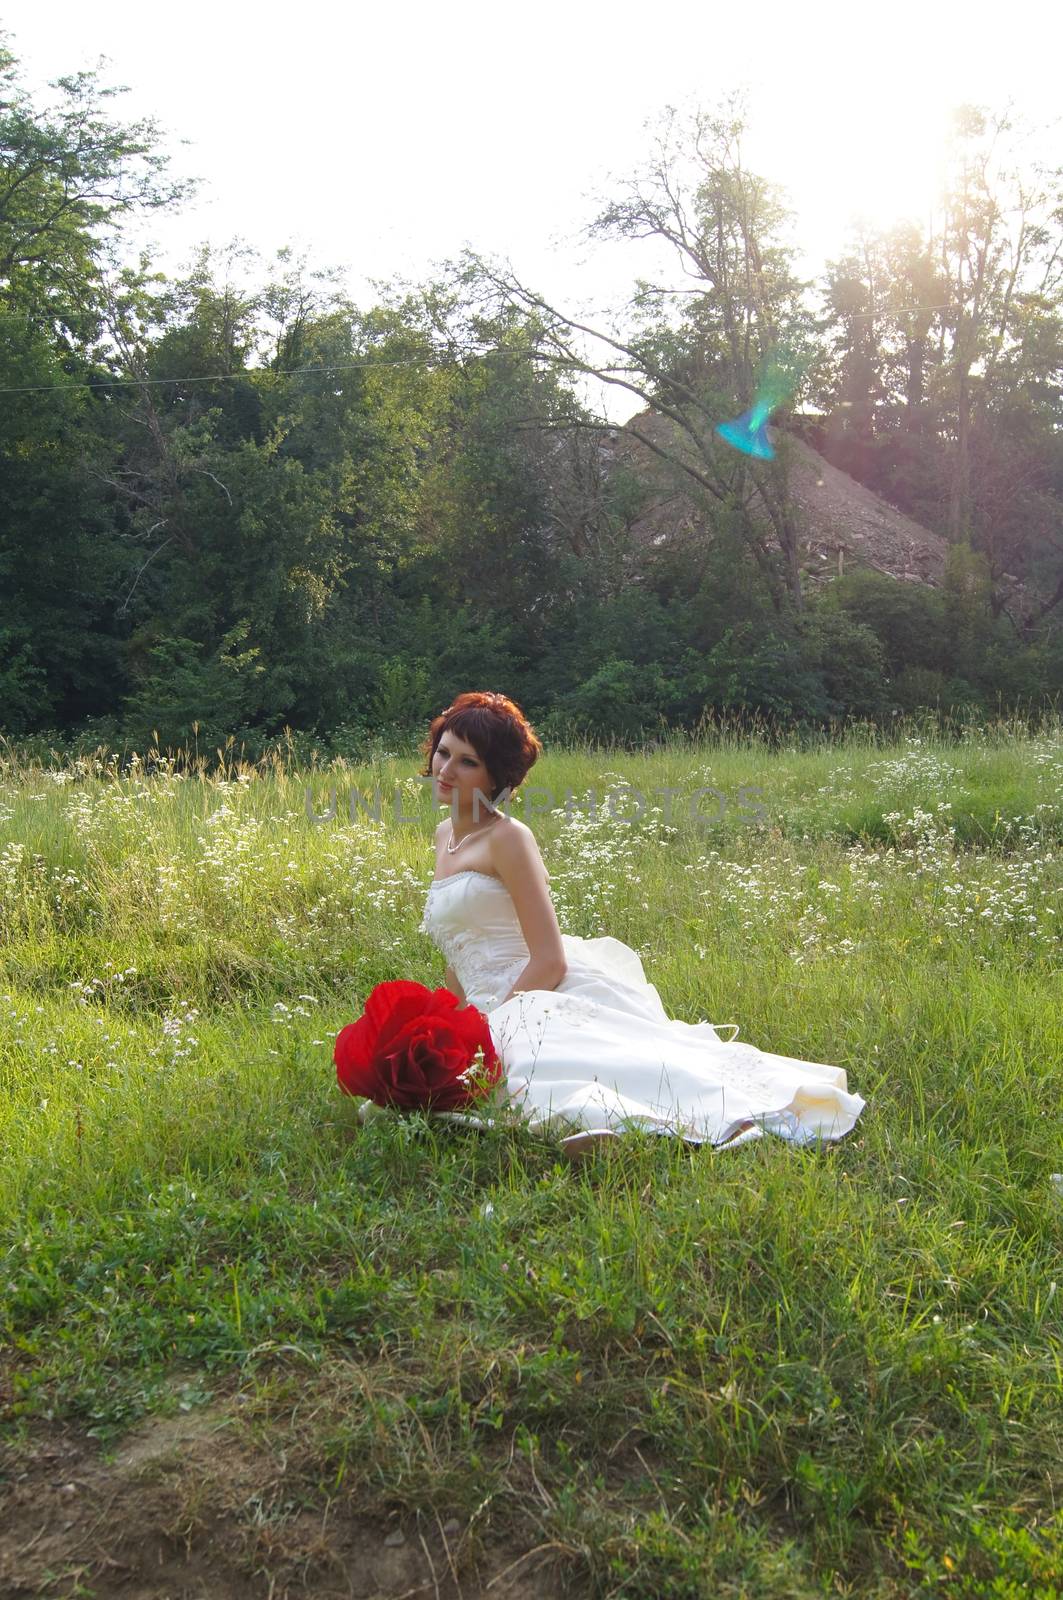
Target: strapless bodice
[{"x": 472, "y": 919}]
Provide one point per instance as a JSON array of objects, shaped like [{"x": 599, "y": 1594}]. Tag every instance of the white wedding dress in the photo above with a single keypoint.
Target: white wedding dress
[{"x": 600, "y": 1052}]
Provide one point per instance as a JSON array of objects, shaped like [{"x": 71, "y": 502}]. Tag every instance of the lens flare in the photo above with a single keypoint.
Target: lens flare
[
  {"x": 749, "y": 432},
  {"x": 779, "y": 377}
]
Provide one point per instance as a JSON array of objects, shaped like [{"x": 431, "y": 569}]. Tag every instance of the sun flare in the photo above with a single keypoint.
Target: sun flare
[{"x": 875, "y": 167}]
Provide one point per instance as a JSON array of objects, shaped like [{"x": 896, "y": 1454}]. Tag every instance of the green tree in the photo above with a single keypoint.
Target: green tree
[
  {"x": 943, "y": 377},
  {"x": 70, "y": 175},
  {"x": 695, "y": 351}
]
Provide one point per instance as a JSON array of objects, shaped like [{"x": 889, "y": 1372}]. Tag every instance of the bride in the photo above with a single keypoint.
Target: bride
[{"x": 587, "y": 1046}]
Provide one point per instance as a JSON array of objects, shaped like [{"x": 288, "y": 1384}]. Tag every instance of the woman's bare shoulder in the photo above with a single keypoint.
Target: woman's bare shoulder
[{"x": 514, "y": 824}]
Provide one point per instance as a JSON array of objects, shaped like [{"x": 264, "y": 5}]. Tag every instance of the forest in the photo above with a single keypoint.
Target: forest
[{"x": 236, "y": 504}]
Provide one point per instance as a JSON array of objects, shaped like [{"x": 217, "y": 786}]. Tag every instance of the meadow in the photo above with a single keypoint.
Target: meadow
[{"x": 761, "y": 1372}]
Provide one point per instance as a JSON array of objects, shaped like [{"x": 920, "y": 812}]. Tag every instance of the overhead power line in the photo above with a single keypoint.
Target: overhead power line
[
  {"x": 213, "y": 377},
  {"x": 364, "y": 366},
  {"x": 899, "y": 311}
]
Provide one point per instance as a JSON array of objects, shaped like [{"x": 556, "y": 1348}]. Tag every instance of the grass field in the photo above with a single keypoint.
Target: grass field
[{"x": 765, "y": 1372}]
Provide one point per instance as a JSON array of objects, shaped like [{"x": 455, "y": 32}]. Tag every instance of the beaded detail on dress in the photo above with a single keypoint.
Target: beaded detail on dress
[
  {"x": 574, "y": 1009},
  {"x": 466, "y": 872},
  {"x": 487, "y": 952}
]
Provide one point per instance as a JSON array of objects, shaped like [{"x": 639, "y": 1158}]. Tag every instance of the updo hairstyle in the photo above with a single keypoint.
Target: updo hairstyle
[{"x": 498, "y": 731}]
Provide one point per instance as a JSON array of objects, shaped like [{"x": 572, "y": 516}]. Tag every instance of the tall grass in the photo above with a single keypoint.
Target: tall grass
[{"x": 761, "y": 1371}]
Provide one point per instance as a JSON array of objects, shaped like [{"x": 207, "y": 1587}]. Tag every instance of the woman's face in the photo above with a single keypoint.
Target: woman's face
[{"x": 458, "y": 772}]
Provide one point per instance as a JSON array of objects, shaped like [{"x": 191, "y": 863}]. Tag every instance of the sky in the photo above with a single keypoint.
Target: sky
[{"x": 383, "y": 140}]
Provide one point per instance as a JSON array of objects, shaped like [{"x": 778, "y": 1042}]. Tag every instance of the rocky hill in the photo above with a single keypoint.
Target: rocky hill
[{"x": 843, "y": 524}]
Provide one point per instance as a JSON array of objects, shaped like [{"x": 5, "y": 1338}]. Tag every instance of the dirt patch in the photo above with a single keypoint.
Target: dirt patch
[{"x": 184, "y": 1508}]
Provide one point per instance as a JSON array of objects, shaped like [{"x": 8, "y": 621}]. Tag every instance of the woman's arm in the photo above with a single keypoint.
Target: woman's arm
[
  {"x": 450, "y": 982},
  {"x": 515, "y": 856},
  {"x": 535, "y": 976}
]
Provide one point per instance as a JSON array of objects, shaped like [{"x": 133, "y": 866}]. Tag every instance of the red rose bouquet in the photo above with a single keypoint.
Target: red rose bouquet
[{"x": 415, "y": 1047}]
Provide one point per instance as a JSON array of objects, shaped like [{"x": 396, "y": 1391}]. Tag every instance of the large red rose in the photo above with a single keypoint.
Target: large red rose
[{"x": 411, "y": 1047}]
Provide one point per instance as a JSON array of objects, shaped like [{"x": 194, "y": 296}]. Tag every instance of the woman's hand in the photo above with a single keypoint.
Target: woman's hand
[{"x": 537, "y": 975}]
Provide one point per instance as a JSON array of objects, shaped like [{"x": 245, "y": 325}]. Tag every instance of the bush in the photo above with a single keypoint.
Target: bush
[
  {"x": 908, "y": 619},
  {"x": 619, "y": 701},
  {"x": 914, "y": 687},
  {"x": 189, "y": 694},
  {"x": 849, "y": 661}
]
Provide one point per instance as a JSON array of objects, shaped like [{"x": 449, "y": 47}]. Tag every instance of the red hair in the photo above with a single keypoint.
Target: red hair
[{"x": 498, "y": 731}]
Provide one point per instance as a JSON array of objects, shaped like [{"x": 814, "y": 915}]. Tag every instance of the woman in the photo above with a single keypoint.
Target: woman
[{"x": 585, "y": 1040}]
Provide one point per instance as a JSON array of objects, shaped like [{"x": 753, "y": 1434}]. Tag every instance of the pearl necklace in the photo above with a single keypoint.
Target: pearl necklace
[{"x": 452, "y": 847}]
